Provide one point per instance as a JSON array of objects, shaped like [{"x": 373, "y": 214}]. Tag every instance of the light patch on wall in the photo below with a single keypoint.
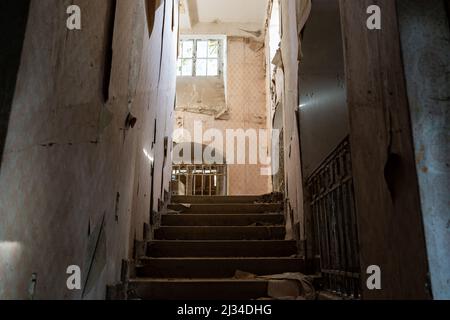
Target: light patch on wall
[
  {"x": 148, "y": 156},
  {"x": 10, "y": 252}
]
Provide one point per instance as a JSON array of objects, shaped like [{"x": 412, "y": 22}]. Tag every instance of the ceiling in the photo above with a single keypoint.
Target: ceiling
[
  {"x": 239, "y": 11},
  {"x": 223, "y": 12}
]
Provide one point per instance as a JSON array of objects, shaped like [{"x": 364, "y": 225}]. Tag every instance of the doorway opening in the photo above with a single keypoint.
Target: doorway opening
[{"x": 221, "y": 96}]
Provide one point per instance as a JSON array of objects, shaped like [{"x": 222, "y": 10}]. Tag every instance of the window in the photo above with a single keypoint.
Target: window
[{"x": 199, "y": 58}]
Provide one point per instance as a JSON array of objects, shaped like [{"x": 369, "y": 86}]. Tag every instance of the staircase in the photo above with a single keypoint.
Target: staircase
[{"x": 200, "y": 246}]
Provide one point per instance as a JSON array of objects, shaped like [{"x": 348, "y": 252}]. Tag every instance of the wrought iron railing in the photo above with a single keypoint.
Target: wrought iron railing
[
  {"x": 199, "y": 180},
  {"x": 330, "y": 189}
]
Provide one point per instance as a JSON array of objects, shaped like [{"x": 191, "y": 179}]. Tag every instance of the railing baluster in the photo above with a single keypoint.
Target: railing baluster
[
  {"x": 334, "y": 217},
  {"x": 211, "y": 178}
]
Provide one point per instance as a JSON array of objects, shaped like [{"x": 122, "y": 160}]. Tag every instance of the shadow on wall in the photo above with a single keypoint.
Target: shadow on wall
[
  {"x": 13, "y": 17},
  {"x": 151, "y": 6}
]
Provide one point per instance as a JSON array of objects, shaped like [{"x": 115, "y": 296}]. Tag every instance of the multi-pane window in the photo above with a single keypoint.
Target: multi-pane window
[{"x": 199, "y": 58}]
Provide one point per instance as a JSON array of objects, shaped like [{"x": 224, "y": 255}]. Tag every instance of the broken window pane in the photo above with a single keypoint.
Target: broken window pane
[
  {"x": 213, "y": 49},
  {"x": 202, "y": 49}
]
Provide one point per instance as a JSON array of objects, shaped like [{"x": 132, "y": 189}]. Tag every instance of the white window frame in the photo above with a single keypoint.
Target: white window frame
[{"x": 220, "y": 59}]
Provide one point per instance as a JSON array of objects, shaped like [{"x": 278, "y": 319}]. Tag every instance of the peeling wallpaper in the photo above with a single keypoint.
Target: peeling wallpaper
[{"x": 246, "y": 97}]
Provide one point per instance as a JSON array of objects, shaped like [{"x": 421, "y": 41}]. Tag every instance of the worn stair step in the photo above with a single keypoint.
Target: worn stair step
[
  {"x": 198, "y": 289},
  {"x": 215, "y": 199},
  {"x": 221, "y": 219},
  {"x": 220, "y": 233},
  {"x": 215, "y": 267},
  {"x": 222, "y": 248},
  {"x": 227, "y": 208}
]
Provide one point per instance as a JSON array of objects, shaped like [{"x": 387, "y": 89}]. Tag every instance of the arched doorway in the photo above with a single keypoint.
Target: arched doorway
[{"x": 192, "y": 178}]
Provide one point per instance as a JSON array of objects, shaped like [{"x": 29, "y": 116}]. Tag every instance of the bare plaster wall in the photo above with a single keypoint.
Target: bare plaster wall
[
  {"x": 246, "y": 97},
  {"x": 201, "y": 95},
  {"x": 75, "y": 180}
]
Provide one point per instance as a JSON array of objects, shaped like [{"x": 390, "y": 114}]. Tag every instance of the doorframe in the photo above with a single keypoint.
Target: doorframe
[{"x": 389, "y": 215}]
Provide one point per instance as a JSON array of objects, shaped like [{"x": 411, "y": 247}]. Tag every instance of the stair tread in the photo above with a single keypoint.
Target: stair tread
[
  {"x": 227, "y": 208},
  {"x": 198, "y": 280},
  {"x": 258, "y": 214},
  {"x": 220, "y": 258},
  {"x": 223, "y": 241},
  {"x": 220, "y": 232},
  {"x": 221, "y": 248},
  {"x": 190, "y": 219},
  {"x": 224, "y": 227},
  {"x": 227, "y": 204},
  {"x": 196, "y": 267},
  {"x": 215, "y": 199}
]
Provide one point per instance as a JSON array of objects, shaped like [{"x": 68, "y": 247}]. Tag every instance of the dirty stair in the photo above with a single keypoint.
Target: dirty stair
[{"x": 203, "y": 241}]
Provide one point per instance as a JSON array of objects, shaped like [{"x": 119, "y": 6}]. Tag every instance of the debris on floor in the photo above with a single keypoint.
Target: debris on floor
[
  {"x": 286, "y": 286},
  {"x": 273, "y": 197}
]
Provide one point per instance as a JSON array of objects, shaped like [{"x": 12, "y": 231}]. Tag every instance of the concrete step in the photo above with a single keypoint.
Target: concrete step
[
  {"x": 215, "y": 267},
  {"x": 227, "y": 208},
  {"x": 221, "y": 219},
  {"x": 199, "y": 289},
  {"x": 220, "y": 248},
  {"x": 220, "y": 233},
  {"x": 215, "y": 199}
]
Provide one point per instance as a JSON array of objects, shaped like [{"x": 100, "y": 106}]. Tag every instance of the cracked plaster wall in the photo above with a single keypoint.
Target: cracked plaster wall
[{"x": 69, "y": 161}]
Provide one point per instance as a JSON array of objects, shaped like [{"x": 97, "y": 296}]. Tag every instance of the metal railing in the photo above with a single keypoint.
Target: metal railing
[
  {"x": 199, "y": 180},
  {"x": 334, "y": 216}
]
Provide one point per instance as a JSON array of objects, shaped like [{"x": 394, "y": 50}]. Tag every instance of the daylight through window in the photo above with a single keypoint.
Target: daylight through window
[{"x": 199, "y": 58}]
